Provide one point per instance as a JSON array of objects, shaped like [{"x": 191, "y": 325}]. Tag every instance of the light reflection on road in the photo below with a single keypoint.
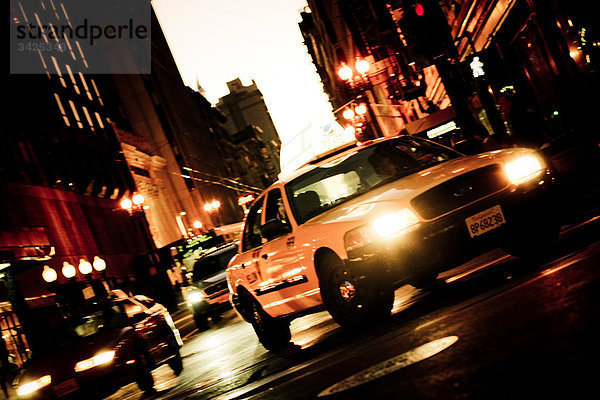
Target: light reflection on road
[{"x": 219, "y": 354}]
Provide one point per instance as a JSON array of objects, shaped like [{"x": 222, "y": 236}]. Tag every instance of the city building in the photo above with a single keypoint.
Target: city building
[
  {"x": 535, "y": 61},
  {"x": 362, "y": 58},
  {"x": 64, "y": 236},
  {"x": 519, "y": 70},
  {"x": 246, "y": 111}
]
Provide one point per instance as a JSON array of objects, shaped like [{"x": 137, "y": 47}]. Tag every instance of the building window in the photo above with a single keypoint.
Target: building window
[
  {"x": 97, "y": 92},
  {"x": 69, "y": 46},
  {"x": 81, "y": 53},
  {"x": 44, "y": 64},
  {"x": 58, "y": 72},
  {"x": 99, "y": 119},
  {"x": 75, "y": 114},
  {"x": 85, "y": 86},
  {"x": 41, "y": 28},
  {"x": 73, "y": 79},
  {"x": 62, "y": 110},
  {"x": 89, "y": 119}
]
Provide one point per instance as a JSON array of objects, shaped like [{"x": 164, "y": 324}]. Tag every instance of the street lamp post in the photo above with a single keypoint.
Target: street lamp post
[
  {"x": 358, "y": 81},
  {"x": 213, "y": 207}
]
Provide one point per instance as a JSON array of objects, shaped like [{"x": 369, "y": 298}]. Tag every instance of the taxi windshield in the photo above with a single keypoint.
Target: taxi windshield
[{"x": 342, "y": 179}]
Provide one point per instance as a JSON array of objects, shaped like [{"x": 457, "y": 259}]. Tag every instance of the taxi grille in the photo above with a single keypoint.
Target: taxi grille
[
  {"x": 460, "y": 191},
  {"x": 217, "y": 287}
]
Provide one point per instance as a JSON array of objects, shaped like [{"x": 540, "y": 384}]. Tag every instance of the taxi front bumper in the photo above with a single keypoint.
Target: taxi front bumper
[{"x": 444, "y": 242}]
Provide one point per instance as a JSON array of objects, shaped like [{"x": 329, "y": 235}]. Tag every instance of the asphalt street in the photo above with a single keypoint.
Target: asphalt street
[{"x": 496, "y": 328}]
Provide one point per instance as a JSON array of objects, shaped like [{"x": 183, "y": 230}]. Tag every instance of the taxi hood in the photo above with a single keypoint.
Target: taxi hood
[{"x": 397, "y": 194}]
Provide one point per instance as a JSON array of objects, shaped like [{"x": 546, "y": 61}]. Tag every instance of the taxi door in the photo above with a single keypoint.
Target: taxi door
[
  {"x": 248, "y": 263},
  {"x": 279, "y": 263}
]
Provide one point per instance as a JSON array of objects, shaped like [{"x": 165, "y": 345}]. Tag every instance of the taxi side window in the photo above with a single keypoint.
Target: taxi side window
[
  {"x": 252, "y": 237},
  {"x": 275, "y": 209}
]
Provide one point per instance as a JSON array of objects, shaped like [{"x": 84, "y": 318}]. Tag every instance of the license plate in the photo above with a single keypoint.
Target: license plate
[
  {"x": 66, "y": 387},
  {"x": 485, "y": 221}
]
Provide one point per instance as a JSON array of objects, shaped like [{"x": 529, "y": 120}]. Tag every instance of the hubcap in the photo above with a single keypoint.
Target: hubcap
[{"x": 347, "y": 290}]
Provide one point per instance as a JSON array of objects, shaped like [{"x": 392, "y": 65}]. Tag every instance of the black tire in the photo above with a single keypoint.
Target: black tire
[
  {"x": 144, "y": 378},
  {"x": 201, "y": 322},
  {"x": 176, "y": 363},
  {"x": 352, "y": 301},
  {"x": 272, "y": 333}
]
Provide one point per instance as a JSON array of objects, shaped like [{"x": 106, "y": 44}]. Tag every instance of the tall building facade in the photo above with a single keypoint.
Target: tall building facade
[
  {"x": 395, "y": 90},
  {"x": 63, "y": 174},
  {"x": 517, "y": 69},
  {"x": 245, "y": 109},
  {"x": 172, "y": 123}
]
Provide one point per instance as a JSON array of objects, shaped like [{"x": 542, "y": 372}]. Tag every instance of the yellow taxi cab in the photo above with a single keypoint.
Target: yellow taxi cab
[{"x": 345, "y": 231}]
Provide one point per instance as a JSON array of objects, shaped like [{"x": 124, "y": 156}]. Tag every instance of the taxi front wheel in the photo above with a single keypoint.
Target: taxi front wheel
[
  {"x": 351, "y": 300},
  {"x": 272, "y": 333}
]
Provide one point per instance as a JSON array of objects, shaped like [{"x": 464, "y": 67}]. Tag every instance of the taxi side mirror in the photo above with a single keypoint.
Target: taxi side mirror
[{"x": 274, "y": 228}]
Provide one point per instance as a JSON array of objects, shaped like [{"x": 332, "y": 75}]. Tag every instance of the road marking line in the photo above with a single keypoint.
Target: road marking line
[
  {"x": 189, "y": 334},
  {"x": 475, "y": 269},
  {"x": 391, "y": 365}
]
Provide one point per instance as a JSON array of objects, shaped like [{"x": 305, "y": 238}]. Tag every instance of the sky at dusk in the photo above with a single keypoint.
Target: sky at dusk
[{"x": 216, "y": 41}]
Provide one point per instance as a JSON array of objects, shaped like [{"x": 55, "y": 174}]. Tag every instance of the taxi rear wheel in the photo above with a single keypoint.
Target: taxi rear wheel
[
  {"x": 352, "y": 301},
  {"x": 273, "y": 334},
  {"x": 201, "y": 322}
]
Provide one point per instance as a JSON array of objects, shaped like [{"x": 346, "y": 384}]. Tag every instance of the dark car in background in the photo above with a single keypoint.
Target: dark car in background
[
  {"x": 101, "y": 348},
  {"x": 208, "y": 297}
]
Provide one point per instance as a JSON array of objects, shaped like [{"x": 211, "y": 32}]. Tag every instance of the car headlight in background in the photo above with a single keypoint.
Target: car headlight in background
[
  {"x": 382, "y": 227},
  {"x": 523, "y": 169},
  {"x": 33, "y": 386},
  {"x": 98, "y": 359},
  {"x": 195, "y": 297}
]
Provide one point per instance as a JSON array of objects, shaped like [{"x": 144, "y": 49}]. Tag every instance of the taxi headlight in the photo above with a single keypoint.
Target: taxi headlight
[
  {"x": 382, "y": 227},
  {"x": 98, "y": 359},
  {"x": 392, "y": 223},
  {"x": 357, "y": 238},
  {"x": 523, "y": 169},
  {"x": 33, "y": 386},
  {"x": 195, "y": 297}
]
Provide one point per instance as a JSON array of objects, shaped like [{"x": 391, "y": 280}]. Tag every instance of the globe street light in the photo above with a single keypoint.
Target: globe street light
[
  {"x": 136, "y": 203},
  {"x": 356, "y": 115},
  {"x": 85, "y": 267},
  {"x": 345, "y": 72},
  {"x": 49, "y": 274},
  {"x": 362, "y": 66},
  {"x": 68, "y": 270},
  {"x": 99, "y": 264}
]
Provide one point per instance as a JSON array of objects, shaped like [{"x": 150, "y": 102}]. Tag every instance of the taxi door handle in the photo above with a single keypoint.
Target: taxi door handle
[{"x": 265, "y": 256}]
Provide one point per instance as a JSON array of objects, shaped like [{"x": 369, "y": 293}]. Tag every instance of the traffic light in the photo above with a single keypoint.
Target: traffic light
[{"x": 425, "y": 29}]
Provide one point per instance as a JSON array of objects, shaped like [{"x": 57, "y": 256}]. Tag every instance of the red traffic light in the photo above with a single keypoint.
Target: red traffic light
[{"x": 419, "y": 9}]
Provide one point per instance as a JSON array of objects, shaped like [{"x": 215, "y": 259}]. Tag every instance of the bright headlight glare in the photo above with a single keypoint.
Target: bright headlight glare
[
  {"x": 523, "y": 168},
  {"x": 98, "y": 359},
  {"x": 395, "y": 222},
  {"x": 33, "y": 386},
  {"x": 195, "y": 297}
]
